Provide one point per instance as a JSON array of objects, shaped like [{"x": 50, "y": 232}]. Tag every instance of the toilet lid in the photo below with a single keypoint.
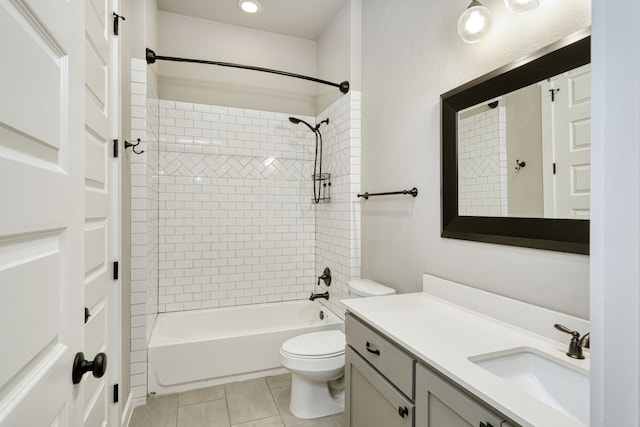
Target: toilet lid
[{"x": 316, "y": 344}]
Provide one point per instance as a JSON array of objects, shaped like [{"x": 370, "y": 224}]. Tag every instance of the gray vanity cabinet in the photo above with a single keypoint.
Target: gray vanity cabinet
[
  {"x": 385, "y": 386},
  {"x": 371, "y": 400},
  {"x": 378, "y": 380},
  {"x": 439, "y": 404}
]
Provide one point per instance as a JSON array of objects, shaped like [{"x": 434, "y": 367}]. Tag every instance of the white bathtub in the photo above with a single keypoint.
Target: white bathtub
[{"x": 200, "y": 348}]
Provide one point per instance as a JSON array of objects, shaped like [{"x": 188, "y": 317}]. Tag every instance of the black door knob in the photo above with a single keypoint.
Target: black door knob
[{"x": 97, "y": 366}]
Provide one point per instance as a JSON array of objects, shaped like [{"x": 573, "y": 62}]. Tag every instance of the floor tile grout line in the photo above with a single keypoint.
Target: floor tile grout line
[
  {"x": 202, "y": 401},
  {"x": 226, "y": 399}
]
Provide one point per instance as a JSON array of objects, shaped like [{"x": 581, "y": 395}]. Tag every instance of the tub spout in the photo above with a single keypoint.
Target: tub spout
[{"x": 324, "y": 295}]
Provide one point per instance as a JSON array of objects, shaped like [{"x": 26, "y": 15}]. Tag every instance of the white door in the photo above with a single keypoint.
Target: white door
[
  {"x": 56, "y": 226},
  {"x": 568, "y": 111},
  {"x": 98, "y": 221},
  {"x": 42, "y": 216}
]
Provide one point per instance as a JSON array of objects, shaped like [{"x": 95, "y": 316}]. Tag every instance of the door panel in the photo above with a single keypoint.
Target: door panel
[
  {"x": 41, "y": 236},
  {"x": 567, "y": 144},
  {"x": 573, "y": 140},
  {"x": 29, "y": 266}
]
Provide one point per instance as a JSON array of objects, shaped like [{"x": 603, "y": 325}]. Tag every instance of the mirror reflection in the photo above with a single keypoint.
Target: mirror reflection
[{"x": 527, "y": 153}]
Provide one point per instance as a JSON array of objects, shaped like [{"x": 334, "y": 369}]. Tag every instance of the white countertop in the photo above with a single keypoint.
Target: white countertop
[{"x": 444, "y": 335}]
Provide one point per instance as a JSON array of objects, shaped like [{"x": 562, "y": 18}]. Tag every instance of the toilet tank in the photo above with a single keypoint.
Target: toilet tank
[{"x": 368, "y": 288}]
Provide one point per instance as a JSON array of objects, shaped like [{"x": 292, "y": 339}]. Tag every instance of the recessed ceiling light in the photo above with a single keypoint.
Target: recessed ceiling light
[
  {"x": 250, "y": 6},
  {"x": 522, "y": 6}
]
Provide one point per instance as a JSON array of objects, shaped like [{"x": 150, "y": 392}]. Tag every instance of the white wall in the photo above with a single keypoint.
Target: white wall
[
  {"x": 524, "y": 143},
  {"x": 615, "y": 223},
  {"x": 188, "y": 37},
  {"x": 339, "y": 53},
  {"x": 334, "y": 56},
  {"x": 410, "y": 55},
  {"x": 142, "y": 23}
]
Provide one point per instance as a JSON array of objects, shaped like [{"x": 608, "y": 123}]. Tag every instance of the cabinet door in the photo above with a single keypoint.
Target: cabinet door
[
  {"x": 439, "y": 404},
  {"x": 370, "y": 400}
]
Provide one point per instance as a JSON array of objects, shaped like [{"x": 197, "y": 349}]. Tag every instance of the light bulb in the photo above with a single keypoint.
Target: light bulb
[
  {"x": 474, "y": 22},
  {"x": 249, "y": 6},
  {"x": 522, "y": 6}
]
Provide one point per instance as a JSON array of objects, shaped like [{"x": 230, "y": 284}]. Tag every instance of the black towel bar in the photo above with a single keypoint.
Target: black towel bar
[{"x": 413, "y": 192}]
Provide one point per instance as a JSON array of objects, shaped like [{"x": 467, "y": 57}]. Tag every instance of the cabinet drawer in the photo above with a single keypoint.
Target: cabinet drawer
[
  {"x": 389, "y": 360},
  {"x": 370, "y": 400}
]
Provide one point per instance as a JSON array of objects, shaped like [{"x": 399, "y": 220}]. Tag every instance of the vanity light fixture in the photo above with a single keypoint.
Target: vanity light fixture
[
  {"x": 474, "y": 22},
  {"x": 522, "y": 6},
  {"x": 250, "y": 6}
]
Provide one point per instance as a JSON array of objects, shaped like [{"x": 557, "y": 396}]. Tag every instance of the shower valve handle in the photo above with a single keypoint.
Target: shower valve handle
[{"x": 326, "y": 277}]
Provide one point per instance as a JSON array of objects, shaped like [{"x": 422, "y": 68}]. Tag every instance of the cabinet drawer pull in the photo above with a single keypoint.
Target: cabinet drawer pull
[
  {"x": 376, "y": 352},
  {"x": 402, "y": 411}
]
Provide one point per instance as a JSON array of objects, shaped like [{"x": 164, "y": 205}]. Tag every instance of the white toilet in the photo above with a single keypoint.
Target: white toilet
[{"x": 316, "y": 362}]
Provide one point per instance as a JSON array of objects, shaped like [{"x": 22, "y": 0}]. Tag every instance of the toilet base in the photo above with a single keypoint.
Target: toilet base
[{"x": 315, "y": 399}]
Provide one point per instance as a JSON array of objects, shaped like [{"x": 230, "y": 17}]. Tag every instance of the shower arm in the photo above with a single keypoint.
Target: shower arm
[{"x": 152, "y": 58}]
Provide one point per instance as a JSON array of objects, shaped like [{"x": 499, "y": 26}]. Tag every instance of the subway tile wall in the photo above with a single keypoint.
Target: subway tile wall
[
  {"x": 236, "y": 219},
  {"x": 144, "y": 220},
  {"x": 482, "y": 181},
  {"x": 337, "y": 237}
]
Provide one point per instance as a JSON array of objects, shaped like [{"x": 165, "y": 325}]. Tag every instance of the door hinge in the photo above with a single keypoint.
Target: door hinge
[
  {"x": 554, "y": 168},
  {"x": 115, "y": 270},
  {"x": 553, "y": 94},
  {"x": 116, "y": 396},
  {"x": 115, "y": 148},
  {"x": 116, "y": 23}
]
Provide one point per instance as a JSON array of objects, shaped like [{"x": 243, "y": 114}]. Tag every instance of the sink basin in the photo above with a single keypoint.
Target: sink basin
[{"x": 560, "y": 385}]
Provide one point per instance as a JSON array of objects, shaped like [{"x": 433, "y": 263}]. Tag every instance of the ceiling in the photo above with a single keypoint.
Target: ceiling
[{"x": 296, "y": 18}]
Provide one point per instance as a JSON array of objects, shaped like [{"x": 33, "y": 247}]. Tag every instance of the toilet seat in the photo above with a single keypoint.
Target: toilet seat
[{"x": 315, "y": 345}]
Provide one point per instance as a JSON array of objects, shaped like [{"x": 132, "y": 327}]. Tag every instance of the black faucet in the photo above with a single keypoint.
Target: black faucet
[
  {"x": 324, "y": 295},
  {"x": 577, "y": 344}
]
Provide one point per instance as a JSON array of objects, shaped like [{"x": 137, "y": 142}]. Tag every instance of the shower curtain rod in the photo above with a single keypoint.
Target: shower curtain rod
[{"x": 152, "y": 58}]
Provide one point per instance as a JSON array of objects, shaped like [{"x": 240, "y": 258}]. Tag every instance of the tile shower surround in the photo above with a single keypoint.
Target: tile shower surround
[{"x": 237, "y": 221}]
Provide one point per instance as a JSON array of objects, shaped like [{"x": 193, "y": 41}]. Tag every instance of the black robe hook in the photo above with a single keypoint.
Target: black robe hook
[{"x": 128, "y": 144}]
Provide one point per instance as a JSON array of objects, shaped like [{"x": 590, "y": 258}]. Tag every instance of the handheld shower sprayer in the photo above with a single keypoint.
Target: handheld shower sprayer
[
  {"x": 296, "y": 121},
  {"x": 317, "y": 164}
]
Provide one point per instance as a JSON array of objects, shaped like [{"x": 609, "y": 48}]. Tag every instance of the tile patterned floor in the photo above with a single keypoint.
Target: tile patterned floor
[{"x": 262, "y": 402}]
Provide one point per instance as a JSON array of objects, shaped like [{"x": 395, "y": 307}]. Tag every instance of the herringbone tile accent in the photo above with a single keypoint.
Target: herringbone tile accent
[{"x": 221, "y": 166}]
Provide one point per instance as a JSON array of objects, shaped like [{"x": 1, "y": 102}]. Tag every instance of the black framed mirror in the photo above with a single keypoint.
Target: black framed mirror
[{"x": 527, "y": 230}]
